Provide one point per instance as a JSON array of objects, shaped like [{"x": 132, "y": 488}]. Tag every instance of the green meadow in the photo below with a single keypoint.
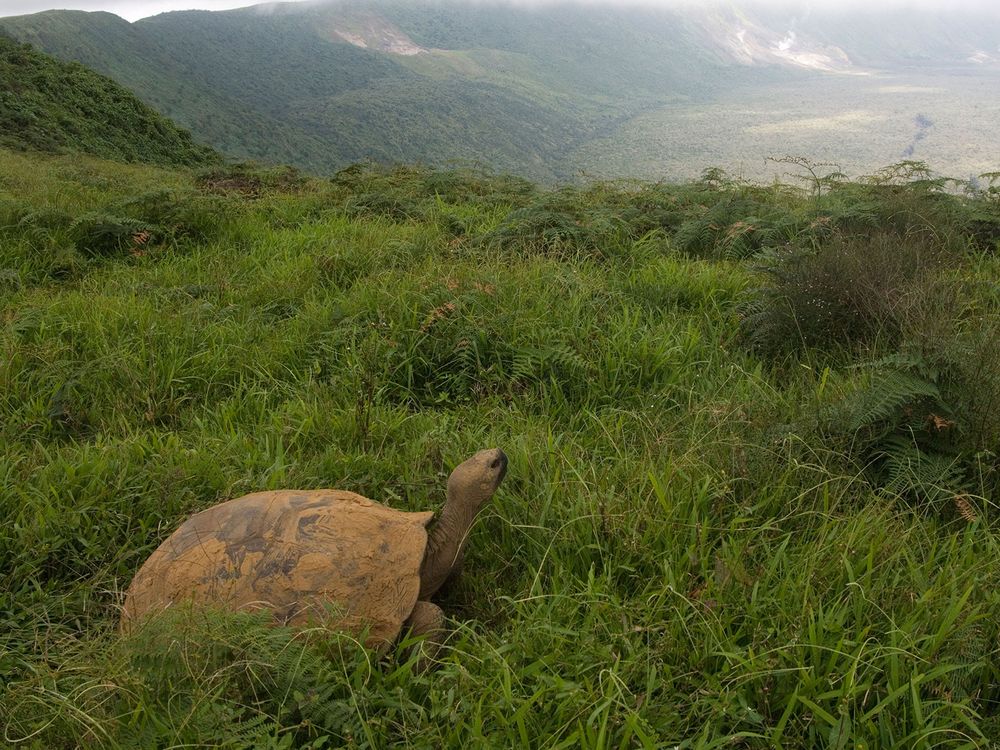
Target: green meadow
[{"x": 753, "y": 435}]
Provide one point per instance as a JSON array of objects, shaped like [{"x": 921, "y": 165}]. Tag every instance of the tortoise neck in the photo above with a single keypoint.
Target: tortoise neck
[{"x": 445, "y": 543}]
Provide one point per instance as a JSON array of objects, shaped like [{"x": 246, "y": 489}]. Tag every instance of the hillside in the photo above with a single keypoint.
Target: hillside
[
  {"x": 542, "y": 90},
  {"x": 752, "y": 434},
  {"x": 60, "y": 107},
  {"x": 322, "y": 85},
  {"x": 289, "y": 86}
]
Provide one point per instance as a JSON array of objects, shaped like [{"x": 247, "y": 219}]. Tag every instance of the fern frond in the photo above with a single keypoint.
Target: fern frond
[
  {"x": 965, "y": 508},
  {"x": 886, "y": 397},
  {"x": 929, "y": 477},
  {"x": 534, "y": 364}
]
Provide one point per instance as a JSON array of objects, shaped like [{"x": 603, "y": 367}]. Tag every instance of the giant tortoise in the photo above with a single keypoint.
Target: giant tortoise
[{"x": 325, "y": 557}]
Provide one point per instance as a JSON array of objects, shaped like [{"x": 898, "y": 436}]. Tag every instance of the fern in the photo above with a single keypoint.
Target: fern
[
  {"x": 534, "y": 364},
  {"x": 525, "y": 365},
  {"x": 931, "y": 478},
  {"x": 695, "y": 236},
  {"x": 907, "y": 434},
  {"x": 560, "y": 225},
  {"x": 379, "y": 205},
  {"x": 103, "y": 234},
  {"x": 886, "y": 401},
  {"x": 471, "y": 359}
]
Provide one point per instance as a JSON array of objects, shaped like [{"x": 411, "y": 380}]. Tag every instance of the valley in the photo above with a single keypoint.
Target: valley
[
  {"x": 859, "y": 122},
  {"x": 555, "y": 92}
]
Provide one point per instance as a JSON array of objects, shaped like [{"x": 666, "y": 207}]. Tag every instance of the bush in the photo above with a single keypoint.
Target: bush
[
  {"x": 98, "y": 233},
  {"x": 380, "y": 205},
  {"x": 415, "y": 182},
  {"x": 156, "y": 216},
  {"x": 925, "y": 418},
  {"x": 851, "y": 291},
  {"x": 463, "y": 349},
  {"x": 563, "y": 224},
  {"x": 179, "y": 215},
  {"x": 737, "y": 226},
  {"x": 250, "y": 180}
]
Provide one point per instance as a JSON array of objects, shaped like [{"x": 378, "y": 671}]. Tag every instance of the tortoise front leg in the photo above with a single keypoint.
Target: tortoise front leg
[{"x": 427, "y": 622}]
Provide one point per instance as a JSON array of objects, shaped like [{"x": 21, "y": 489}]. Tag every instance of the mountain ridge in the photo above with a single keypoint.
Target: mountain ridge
[{"x": 321, "y": 85}]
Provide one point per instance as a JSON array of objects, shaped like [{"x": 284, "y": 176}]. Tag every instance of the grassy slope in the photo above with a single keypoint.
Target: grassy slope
[
  {"x": 55, "y": 106},
  {"x": 664, "y": 564},
  {"x": 591, "y": 50}
]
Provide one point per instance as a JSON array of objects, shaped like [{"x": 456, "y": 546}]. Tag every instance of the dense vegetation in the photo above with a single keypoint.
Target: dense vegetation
[
  {"x": 48, "y": 105},
  {"x": 753, "y": 439},
  {"x": 540, "y": 91}
]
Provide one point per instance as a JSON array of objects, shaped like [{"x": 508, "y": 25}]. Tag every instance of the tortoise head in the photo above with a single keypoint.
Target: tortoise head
[{"x": 474, "y": 481}]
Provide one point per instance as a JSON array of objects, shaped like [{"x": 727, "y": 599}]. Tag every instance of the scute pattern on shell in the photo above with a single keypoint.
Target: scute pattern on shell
[{"x": 325, "y": 557}]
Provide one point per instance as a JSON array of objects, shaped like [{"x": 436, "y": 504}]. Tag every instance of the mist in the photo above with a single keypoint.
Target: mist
[{"x": 133, "y": 10}]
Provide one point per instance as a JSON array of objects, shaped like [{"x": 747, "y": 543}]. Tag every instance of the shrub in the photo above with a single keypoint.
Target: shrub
[
  {"x": 926, "y": 419},
  {"x": 562, "y": 224},
  {"x": 98, "y": 233},
  {"x": 250, "y": 180},
  {"x": 148, "y": 218},
  {"x": 414, "y": 182},
  {"x": 375, "y": 205},
  {"x": 179, "y": 215},
  {"x": 457, "y": 356},
  {"x": 477, "y": 187},
  {"x": 852, "y": 290},
  {"x": 736, "y": 226},
  {"x": 902, "y": 198}
]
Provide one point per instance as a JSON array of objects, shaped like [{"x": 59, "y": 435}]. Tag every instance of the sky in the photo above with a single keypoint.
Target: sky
[{"x": 133, "y": 10}]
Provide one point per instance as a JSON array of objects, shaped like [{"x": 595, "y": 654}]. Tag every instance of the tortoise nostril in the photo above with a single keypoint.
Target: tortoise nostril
[{"x": 499, "y": 465}]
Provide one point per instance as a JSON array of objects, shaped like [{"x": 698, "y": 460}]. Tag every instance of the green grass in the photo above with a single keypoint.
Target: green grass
[{"x": 680, "y": 555}]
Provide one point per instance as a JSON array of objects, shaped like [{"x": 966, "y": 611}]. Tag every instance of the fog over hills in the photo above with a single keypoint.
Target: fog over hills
[{"x": 551, "y": 90}]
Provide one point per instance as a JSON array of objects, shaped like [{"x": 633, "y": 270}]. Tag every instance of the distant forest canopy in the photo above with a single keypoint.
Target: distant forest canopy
[
  {"x": 555, "y": 91},
  {"x": 48, "y": 105}
]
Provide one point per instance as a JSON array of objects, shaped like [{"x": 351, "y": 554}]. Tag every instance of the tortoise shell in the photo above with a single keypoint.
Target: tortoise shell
[{"x": 325, "y": 557}]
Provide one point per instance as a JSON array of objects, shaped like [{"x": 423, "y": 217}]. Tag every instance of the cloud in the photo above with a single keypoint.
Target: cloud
[
  {"x": 788, "y": 42},
  {"x": 135, "y": 9}
]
